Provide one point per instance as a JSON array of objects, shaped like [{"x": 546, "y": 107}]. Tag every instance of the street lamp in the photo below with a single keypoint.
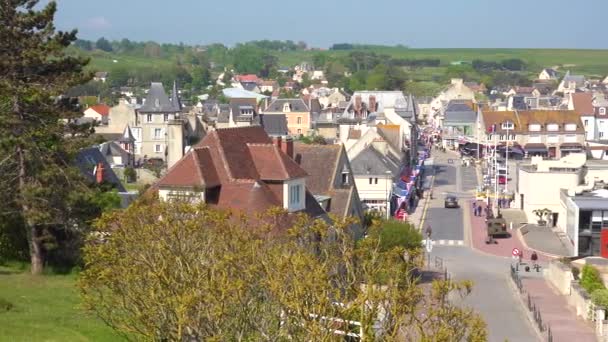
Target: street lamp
[{"x": 386, "y": 181}]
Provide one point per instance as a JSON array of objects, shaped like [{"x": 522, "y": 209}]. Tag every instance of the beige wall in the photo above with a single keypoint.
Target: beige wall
[
  {"x": 378, "y": 192},
  {"x": 119, "y": 117},
  {"x": 542, "y": 190},
  {"x": 328, "y": 132},
  {"x": 296, "y": 128},
  {"x": 165, "y": 194}
]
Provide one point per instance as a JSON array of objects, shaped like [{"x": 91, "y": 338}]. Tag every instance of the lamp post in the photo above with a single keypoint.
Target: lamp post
[{"x": 386, "y": 181}]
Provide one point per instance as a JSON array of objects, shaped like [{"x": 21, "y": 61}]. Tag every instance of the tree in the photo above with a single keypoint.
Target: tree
[
  {"x": 188, "y": 272},
  {"x": 43, "y": 192},
  {"x": 591, "y": 279},
  {"x": 248, "y": 59},
  {"x": 103, "y": 44}
]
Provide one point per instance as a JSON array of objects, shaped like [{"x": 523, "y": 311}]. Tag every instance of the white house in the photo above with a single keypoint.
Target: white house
[{"x": 548, "y": 74}]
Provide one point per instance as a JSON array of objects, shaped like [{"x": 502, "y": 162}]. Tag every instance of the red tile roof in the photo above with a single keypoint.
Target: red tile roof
[
  {"x": 101, "y": 109},
  {"x": 583, "y": 103},
  {"x": 247, "y": 78},
  {"x": 246, "y": 164}
]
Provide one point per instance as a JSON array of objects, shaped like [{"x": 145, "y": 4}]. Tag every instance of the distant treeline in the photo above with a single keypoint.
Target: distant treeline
[
  {"x": 512, "y": 64},
  {"x": 348, "y": 46}
]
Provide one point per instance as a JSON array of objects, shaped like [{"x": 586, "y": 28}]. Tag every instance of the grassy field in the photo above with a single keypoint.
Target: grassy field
[
  {"x": 46, "y": 308},
  {"x": 589, "y": 62}
]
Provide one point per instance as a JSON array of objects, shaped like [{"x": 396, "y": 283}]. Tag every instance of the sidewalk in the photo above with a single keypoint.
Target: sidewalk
[
  {"x": 418, "y": 215},
  {"x": 556, "y": 314},
  {"x": 504, "y": 246}
]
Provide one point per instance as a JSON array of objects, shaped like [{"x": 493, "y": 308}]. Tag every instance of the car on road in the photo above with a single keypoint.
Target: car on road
[{"x": 451, "y": 202}]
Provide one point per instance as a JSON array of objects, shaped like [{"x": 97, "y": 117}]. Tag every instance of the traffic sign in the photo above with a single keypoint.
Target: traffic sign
[
  {"x": 429, "y": 245},
  {"x": 515, "y": 252}
]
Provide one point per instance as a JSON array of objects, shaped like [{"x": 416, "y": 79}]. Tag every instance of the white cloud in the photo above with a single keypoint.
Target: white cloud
[{"x": 97, "y": 23}]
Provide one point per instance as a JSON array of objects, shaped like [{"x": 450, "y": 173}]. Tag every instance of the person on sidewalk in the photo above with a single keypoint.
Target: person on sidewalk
[
  {"x": 474, "y": 208},
  {"x": 429, "y": 231}
]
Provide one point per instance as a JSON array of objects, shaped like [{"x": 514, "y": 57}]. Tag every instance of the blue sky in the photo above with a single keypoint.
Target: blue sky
[{"x": 420, "y": 24}]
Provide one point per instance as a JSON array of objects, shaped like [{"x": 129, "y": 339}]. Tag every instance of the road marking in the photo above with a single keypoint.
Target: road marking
[{"x": 444, "y": 242}]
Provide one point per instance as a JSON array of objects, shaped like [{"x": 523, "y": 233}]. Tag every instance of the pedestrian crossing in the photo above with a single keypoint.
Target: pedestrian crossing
[{"x": 445, "y": 242}]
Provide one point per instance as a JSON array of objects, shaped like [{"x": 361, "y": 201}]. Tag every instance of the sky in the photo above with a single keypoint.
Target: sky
[{"x": 320, "y": 23}]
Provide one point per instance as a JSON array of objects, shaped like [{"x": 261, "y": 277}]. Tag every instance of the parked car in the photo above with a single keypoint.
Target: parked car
[
  {"x": 154, "y": 162},
  {"x": 451, "y": 202}
]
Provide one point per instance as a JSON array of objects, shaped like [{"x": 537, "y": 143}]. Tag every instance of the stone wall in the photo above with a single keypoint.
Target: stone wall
[{"x": 560, "y": 276}]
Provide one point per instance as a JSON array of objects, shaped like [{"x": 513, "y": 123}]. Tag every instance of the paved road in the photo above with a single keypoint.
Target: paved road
[{"x": 492, "y": 297}]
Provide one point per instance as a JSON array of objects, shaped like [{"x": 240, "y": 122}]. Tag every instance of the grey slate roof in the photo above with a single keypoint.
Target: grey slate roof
[
  {"x": 87, "y": 159},
  {"x": 371, "y": 162},
  {"x": 157, "y": 101},
  {"x": 274, "y": 124},
  {"x": 297, "y": 105},
  {"x": 459, "y": 113}
]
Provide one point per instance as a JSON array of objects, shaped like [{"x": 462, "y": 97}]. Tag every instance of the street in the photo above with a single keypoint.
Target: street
[{"x": 492, "y": 296}]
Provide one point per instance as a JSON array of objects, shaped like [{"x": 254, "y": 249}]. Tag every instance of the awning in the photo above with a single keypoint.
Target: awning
[
  {"x": 571, "y": 147},
  {"x": 535, "y": 148}
]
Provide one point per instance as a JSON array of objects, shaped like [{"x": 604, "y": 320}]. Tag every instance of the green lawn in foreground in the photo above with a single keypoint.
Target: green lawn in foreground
[{"x": 46, "y": 308}]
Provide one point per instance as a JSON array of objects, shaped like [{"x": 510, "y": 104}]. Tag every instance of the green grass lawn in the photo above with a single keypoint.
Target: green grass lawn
[{"x": 46, "y": 308}]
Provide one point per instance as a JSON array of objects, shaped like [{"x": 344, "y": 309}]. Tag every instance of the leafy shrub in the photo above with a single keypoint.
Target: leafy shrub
[
  {"x": 399, "y": 234},
  {"x": 600, "y": 298},
  {"x": 591, "y": 280}
]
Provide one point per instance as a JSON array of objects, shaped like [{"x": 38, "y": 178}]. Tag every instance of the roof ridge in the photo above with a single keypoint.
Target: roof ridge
[
  {"x": 278, "y": 152},
  {"x": 198, "y": 163}
]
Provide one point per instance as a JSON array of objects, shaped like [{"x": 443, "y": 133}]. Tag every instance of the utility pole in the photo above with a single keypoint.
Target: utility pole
[{"x": 507, "y": 162}]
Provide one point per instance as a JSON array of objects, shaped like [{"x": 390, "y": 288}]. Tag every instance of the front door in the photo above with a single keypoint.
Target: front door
[
  {"x": 552, "y": 152},
  {"x": 554, "y": 219}
]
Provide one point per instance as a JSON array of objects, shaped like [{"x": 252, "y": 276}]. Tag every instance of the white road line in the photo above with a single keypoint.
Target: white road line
[{"x": 451, "y": 242}]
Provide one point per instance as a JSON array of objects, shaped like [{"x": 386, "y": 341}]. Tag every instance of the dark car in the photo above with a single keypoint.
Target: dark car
[
  {"x": 154, "y": 162},
  {"x": 451, "y": 202}
]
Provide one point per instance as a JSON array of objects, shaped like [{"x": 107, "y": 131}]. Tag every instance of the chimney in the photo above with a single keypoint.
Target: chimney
[
  {"x": 287, "y": 147},
  {"x": 372, "y": 103},
  {"x": 99, "y": 173},
  {"x": 358, "y": 103},
  {"x": 277, "y": 141}
]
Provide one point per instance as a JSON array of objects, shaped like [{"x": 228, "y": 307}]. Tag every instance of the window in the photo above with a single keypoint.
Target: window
[
  {"x": 508, "y": 125},
  {"x": 157, "y": 133},
  {"x": 552, "y": 127},
  {"x": 601, "y": 134},
  {"x": 299, "y": 120},
  {"x": 376, "y": 181},
  {"x": 294, "y": 194},
  {"x": 602, "y": 110},
  {"x": 344, "y": 178},
  {"x": 534, "y": 127},
  {"x": 149, "y": 118},
  {"x": 552, "y": 138},
  {"x": 570, "y": 138},
  {"x": 370, "y": 180},
  {"x": 158, "y": 148},
  {"x": 165, "y": 117},
  {"x": 586, "y": 122},
  {"x": 299, "y": 131},
  {"x": 137, "y": 148},
  {"x": 570, "y": 127},
  {"x": 534, "y": 138}
]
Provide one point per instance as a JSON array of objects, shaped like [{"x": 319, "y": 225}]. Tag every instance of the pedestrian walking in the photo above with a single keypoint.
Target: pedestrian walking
[
  {"x": 429, "y": 231},
  {"x": 474, "y": 208},
  {"x": 479, "y": 210}
]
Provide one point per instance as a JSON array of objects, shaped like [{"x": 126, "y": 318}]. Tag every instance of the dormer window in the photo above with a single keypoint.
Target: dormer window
[
  {"x": 552, "y": 127},
  {"x": 570, "y": 127},
  {"x": 294, "y": 195},
  {"x": 602, "y": 110},
  {"x": 286, "y": 107},
  {"x": 344, "y": 177},
  {"x": 508, "y": 125},
  {"x": 534, "y": 127}
]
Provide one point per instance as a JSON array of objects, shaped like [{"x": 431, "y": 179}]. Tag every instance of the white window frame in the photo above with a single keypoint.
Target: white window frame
[
  {"x": 149, "y": 118},
  {"x": 508, "y": 125},
  {"x": 159, "y": 135},
  {"x": 570, "y": 127},
  {"x": 294, "y": 194},
  {"x": 552, "y": 127},
  {"x": 601, "y": 134},
  {"x": 165, "y": 117},
  {"x": 158, "y": 148},
  {"x": 602, "y": 110},
  {"x": 299, "y": 120},
  {"x": 586, "y": 122},
  {"x": 534, "y": 128}
]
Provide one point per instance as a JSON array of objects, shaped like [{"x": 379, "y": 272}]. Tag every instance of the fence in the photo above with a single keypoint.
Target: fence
[{"x": 544, "y": 328}]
